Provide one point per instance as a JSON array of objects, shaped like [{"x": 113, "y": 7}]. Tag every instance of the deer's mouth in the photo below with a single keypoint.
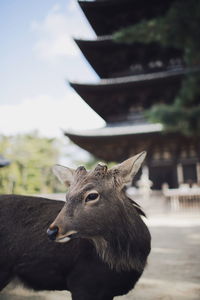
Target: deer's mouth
[{"x": 67, "y": 237}]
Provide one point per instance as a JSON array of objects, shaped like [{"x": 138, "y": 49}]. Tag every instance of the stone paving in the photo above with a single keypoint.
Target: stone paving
[{"x": 173, "y": 271}]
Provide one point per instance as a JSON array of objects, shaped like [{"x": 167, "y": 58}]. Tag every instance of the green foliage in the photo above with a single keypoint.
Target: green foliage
[
  {"x": 176, "y": 118},
  {"x": 184, "y": 114},
  {"x": 31, "y": 159},
  {"x": 179, "y": 28}
]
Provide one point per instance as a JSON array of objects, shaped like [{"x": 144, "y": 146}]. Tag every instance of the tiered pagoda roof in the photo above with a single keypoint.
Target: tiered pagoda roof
[
  {"x": 137, "y": 58},
  {"x": 107, "y": 16},
  {"x": 133, "y": 76},
  {"x": 120, "y": 99},
  {"x": 114, "y": 142}
]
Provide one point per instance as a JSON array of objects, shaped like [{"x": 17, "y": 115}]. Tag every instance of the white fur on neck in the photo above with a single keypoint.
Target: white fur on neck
[{"x": 123, "y": 261}]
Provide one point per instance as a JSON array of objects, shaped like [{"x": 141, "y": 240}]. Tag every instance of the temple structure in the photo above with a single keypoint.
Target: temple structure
[{"x": 133, "y": 77}]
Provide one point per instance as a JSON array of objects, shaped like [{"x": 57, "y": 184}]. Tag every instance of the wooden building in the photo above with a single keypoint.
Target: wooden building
[{"x": 132, "y": 79}]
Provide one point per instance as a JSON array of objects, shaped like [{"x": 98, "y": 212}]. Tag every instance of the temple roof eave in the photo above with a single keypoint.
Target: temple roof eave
[
  {"x": 125, "y": 92},
  {"x": 114, "y": 144},
  {"x": 115, "y": 131},
  {"x": 108, "y": 143},
  {"x": 133, "y": 79},
  {"x": 105, "y": 56},
  {"x": 92, "y": 41}
]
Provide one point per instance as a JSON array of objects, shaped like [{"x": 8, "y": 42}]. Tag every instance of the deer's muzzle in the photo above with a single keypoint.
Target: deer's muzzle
[{"x": 52, "y": 233}]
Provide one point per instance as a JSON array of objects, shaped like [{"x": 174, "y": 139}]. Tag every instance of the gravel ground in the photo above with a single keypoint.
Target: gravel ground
[{"x": 173, "y": 271}]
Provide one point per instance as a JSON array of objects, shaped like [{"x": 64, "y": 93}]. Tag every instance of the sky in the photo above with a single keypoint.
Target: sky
[{"x": 37, "y": 58}]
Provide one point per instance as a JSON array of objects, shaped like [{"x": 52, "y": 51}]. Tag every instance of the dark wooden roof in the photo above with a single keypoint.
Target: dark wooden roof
[
  {"x": 114, "y": 143},
  {"x": 107, "y": 16},
  {"x": 111, "y": 59},
  {"x": 121, "y": 98},
  {"x": 117, "y": 143}
]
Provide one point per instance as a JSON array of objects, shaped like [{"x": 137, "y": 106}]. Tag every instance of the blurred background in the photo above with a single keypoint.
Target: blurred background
[
  {"x": 38, "y": 56},
  {"x": 83, "y": 81},
  {"x": 115, "y": 78}
]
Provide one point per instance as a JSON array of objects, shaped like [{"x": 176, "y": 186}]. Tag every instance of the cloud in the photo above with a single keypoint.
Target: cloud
[
  {"x": 54, "y": 33},
  {"x": 47, "y": 115}
]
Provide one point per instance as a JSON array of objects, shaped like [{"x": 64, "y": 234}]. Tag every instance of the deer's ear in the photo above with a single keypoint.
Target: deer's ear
[
  {"x": 64, "y": 174},
  {"x": 129, "y": 168}
]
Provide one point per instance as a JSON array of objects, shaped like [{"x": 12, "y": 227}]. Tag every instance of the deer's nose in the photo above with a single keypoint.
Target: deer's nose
[{"x": 52, "y": 233}]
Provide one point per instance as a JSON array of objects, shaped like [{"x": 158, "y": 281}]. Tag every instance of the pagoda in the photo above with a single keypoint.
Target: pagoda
[{"x": 133, "y": 77}]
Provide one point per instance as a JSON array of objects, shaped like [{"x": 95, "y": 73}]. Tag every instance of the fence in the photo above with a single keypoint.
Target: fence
[{"x": 184, "y": 197}]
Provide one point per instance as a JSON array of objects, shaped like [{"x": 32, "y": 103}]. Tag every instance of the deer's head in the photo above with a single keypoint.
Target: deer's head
[{"x": 95, "y": 201}]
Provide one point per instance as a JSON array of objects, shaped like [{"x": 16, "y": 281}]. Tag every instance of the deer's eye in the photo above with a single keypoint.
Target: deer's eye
[{"x": 92, "y": 197}]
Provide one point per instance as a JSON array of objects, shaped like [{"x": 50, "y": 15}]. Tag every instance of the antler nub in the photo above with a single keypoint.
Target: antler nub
[{"x": 101, "y": 169}]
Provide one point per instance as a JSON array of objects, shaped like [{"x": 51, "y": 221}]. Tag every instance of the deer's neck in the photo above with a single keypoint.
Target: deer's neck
[{"x": 126, "y": 247}]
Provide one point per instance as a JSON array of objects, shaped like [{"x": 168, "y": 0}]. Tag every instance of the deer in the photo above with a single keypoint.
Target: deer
[{"x": 95, "y": 244}]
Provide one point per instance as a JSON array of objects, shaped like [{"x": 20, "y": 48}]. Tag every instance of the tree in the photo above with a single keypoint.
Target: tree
[
  {"x": 31, "y": 159},
  {"x": 180, "y": 28}
]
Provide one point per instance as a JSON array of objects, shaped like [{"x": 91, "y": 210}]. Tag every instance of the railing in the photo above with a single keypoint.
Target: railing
[{"x": 184, "y": 197}]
